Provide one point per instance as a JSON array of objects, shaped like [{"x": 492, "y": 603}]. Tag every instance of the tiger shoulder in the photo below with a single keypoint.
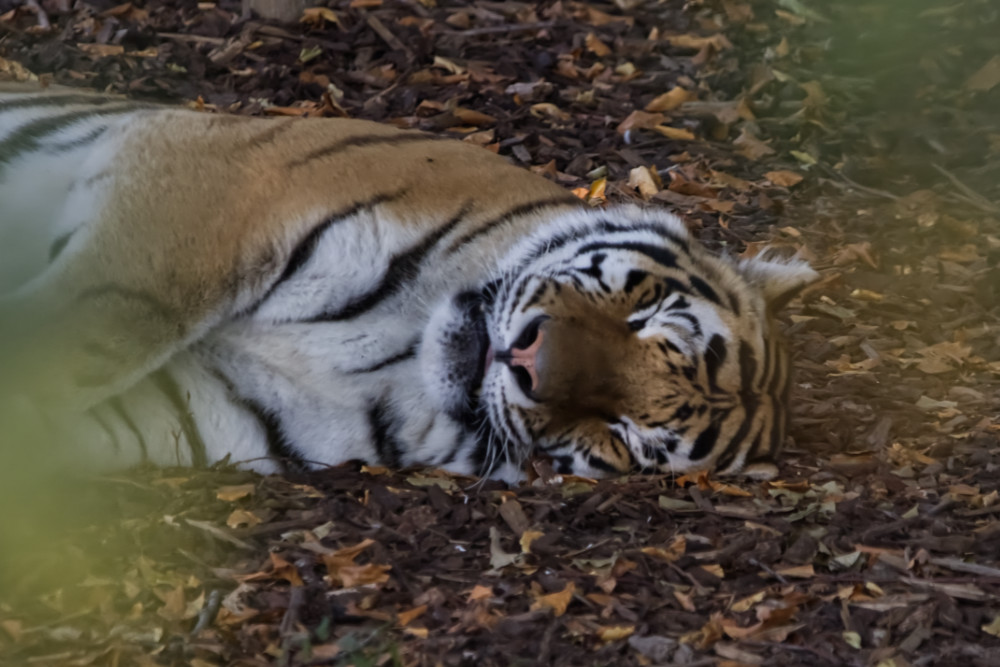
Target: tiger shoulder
[{"x": 180, "y": 287}]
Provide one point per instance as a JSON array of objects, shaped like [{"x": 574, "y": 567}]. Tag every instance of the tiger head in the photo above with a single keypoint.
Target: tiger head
[{"x": 612, "y": 342}]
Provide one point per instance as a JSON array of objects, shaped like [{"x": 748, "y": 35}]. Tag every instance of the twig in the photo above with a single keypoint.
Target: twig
[
  {"x": 858, "y": 186},
  {"x": 208, "y": 612},
  {"x": 958, "y": 565},
  {"x": 779, "y": 577},
  {"x": 387, "y": 35},
  {"x": 291, "y": 617},
  {"x": 974, "y": 197},
  {"x": 218, "y": 533},
  {"x": 501, "y": 29},
  {"x": 191, "y": 38}
]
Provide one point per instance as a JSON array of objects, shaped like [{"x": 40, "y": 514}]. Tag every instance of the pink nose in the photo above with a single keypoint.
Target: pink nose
[{"x": 527, "y": 357}]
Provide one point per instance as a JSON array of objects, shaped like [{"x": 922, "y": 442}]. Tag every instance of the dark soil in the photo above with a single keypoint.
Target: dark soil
[{"x": 862, "y": 135}]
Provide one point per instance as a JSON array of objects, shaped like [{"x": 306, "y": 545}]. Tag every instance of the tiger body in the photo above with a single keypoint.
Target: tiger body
[{"x": 304, "y": 292}]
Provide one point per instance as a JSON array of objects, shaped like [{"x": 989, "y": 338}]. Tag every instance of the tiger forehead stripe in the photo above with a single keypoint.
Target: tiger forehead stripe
[{"x": 362, "y": 141}]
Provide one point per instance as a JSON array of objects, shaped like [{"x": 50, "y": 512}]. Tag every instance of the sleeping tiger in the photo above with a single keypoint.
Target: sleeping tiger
[{"x": 182, "y": 287}]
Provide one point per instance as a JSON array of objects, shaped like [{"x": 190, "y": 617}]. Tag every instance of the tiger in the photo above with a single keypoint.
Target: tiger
[{"x": 180, "y": 287}]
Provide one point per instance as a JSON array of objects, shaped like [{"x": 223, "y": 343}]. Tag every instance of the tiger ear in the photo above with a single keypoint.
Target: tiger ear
[{"x": 778, "y": 279}]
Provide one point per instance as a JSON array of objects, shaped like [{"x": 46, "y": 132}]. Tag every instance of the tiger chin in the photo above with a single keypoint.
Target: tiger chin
[{"x": 182, "y": 288}]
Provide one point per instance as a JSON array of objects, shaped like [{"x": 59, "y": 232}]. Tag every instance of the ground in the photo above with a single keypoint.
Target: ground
[{"x": 861, "y": 134}]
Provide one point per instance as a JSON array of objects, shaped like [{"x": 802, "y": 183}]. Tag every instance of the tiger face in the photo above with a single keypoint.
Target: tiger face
[{"x": 617, "y": 344}]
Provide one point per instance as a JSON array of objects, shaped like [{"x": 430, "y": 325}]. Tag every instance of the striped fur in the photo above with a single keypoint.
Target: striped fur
[{"x": 182, "y": 287}]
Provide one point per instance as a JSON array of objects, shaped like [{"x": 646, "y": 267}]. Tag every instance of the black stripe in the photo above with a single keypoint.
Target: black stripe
[
  {"x": 362, "y": 141},
  {"x": 715, "y": 357},
  {"x": 387, "y": 447},
  {"x": 705, "y": 442},
  {"x": 519, "y": 210},
  {"x": 59, "y": 245},
  {"x": 118, "y": 407},
  {"x": 28, "y": 137},
  {"x": 751, "y": 403},
  {"x": 600, "y": 464},
  {"x": 602, "y": 227},
  {"x": 662, "y": 256},
  {"x": 279, "y": 447},
  {"x": 695, "y": 324},
  {"x": 612, "y": 227},
  {"x": 41, "y": 100},
  {"x": 168, "y": 386},
  {"x": 735, "y": 445},
  {"x": 88, "y": 138},
  {"x": 305, "y": 248},
  {"x": 705, "y": 289},
  {"x": 402, "y": 267},
  {"x": 409, "y": 353}
]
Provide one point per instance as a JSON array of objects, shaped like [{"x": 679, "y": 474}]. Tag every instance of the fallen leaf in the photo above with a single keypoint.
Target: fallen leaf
[
  {"x": 750, "y": 146},
  {"x": 557, "y": 602},
  {"x": 670, "y": 100},
  {"x": 101, "y": 50},
  {"x": 615, "y": 632},
  {"x": 993, "y": 627},
  {"x": 527, "y": 537},
  {"x": 645, "y": 181},
  {"x": 318, "y": 16},
  {"x": 640, "y": 120},
  {"x": 240, "y": 518},
  {"x": 498, "y": 557},
  {"x": 986, "y": 77},
  {"x": 596, "y": 46},
  {"x": 480, "y": 592},
  {"x": 784, "y": 178},
  {"x": 717, "y": 41},
  {"x": 675, "y": 133},
  {"x": 407, "y": 617},
  {"x": 231, "y": 493}
]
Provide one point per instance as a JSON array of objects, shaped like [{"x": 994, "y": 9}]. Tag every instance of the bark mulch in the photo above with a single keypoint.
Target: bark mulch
[{"x": 862, "y": 135}]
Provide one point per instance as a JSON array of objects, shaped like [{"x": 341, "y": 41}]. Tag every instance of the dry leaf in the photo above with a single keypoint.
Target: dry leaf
[
  {"x": 596, "y": 46},
  {"x": 407, "y": 617},
  {"x": 640, "y": 120},
  {"x": 675, "y": 133},
  {"x": 548, "y": 110},
  {"x": 784, "y": 178},
  {"x": 615, "y": 632},
  {"x": 101, "y": 50},
  {"x": 231, "y": 493},
  {"x": 645, "y": 181},
  {"x": 319, "y": 16},
  {"x": 751, "y": 147},
  {"x": 527, "y": 537},
  {"x": 480, "y": 593},
  {"x": 717, "y": 41},
  {"x": 557, "y": 602},
  {"x": 670, "y": 100},
  {"x": 987, "y": 77},
  {"x": 239, "y": 518}
]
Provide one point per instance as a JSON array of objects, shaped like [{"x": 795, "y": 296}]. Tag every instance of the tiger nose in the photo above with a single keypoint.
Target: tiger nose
[{"x": 527, "y": 358}]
